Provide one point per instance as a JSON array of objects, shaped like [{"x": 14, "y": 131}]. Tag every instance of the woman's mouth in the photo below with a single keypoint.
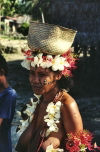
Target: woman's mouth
[
  {"x": 37, "y": 89},
  {"x": 37, "y": 86}
]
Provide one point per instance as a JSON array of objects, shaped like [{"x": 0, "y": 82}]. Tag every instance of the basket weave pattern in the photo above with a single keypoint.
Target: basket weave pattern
[{"x": 50, "y": 39}]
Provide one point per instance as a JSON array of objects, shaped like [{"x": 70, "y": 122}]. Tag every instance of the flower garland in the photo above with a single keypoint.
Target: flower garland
[
  {"x": 52, "y": 117},
  {"x": 80, "y": 141},
  {"x": 64, "y": 63},
  {"x": 30, "y": 108},
  {"x": 76, "y": 142}
]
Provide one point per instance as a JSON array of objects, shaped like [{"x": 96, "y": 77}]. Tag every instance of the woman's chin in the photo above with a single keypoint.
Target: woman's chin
[{"x": 38, "y": 92}]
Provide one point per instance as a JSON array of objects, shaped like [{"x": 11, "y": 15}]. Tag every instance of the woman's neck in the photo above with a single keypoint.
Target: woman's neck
[{"x": 49, "y": 96}]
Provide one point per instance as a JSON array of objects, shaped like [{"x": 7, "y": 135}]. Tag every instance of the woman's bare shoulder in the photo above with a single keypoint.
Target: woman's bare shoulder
[
  {"x": 68, "y": 99},
  {"x": 70, "y": 114},
  {"x": 70, "y": 105}
]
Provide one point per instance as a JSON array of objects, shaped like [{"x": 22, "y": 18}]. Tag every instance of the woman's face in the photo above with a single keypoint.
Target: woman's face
[{"x": 42, "y": 80}]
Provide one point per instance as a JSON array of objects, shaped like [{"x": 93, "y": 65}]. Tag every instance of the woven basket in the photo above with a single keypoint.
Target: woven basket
[{"x": 50, "y": 39}]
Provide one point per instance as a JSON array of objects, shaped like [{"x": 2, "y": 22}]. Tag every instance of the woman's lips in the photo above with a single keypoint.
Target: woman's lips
[{"x": 37, "y": 86}]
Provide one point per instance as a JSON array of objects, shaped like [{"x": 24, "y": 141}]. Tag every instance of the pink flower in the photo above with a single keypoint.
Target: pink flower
[
  {"x": 66, "y": 72},
  {"x": 28, "y": 53},
  {"x": 30, "y": 59},
  {"x": 80, "y": 141}
]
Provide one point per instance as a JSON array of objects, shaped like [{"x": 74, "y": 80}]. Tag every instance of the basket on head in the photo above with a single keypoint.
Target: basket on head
[{"x": 50, "y": 39}]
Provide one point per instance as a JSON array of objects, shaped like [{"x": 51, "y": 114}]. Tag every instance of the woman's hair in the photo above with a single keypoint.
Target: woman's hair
[
  {"x": 65, "y": 83},
  {"x": 3, "y": 65}
]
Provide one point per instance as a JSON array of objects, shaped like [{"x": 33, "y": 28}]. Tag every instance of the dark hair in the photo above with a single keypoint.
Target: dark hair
[
  {"x": 66, "y": 83},
  {"x": 3, "y": 65}
]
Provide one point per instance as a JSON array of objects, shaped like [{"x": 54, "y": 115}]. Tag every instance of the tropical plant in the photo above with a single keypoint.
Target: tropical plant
[{"x": 8, "y": 7}]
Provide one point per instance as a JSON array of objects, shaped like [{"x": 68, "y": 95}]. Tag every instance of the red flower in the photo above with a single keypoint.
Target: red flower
[
  {"x": 28, "y": 53},
  {"x": 80, "y": 141},
  {"x": 69, "y": 56},
  {"x": 44, "y": 58},
  {"x": 30, "y": 59},
  {"x": 66, "y": 72}
]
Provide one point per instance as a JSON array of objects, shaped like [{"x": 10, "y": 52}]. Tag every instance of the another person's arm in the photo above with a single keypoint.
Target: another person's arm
[{"x": 1, "y": 120}]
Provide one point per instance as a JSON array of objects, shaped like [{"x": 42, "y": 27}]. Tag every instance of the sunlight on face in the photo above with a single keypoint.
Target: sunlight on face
[{"x": 38, "y": 76}]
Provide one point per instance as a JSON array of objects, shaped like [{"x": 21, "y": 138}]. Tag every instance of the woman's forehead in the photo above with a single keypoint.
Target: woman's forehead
[{"x": 40, "y": 69}]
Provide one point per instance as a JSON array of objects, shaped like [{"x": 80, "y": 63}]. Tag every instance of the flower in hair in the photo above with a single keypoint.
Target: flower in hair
[{"x": 64, "y": 63}]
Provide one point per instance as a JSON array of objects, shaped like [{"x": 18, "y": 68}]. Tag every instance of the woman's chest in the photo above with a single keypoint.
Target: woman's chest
[{"x": 40, "y": 114}]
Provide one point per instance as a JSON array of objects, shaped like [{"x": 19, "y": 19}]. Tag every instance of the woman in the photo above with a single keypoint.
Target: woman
[
  {"x": 7, "y": 108},
  {"x": 55, "y": 112}
]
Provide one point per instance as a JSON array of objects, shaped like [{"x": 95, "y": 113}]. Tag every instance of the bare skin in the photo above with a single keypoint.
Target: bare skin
[{"x": 71, "y": 117}]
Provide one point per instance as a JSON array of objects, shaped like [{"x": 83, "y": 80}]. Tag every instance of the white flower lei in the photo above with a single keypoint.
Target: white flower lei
[
  {"x": 29, "y": 111},
  {"x": 52, "y": 117},
  {"x": 56, "y": 63}
]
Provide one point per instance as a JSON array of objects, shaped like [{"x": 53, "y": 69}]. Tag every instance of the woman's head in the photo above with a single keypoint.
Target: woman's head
[
  {"x": 3, "y": 66},
  {"x": 50, "y": 54},
  {"x": 43, "y": 80},
  {"x": 46, "y": 70}
]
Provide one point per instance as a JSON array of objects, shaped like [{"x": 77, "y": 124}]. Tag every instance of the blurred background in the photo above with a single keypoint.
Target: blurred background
[{"x": 83, "y": 16}]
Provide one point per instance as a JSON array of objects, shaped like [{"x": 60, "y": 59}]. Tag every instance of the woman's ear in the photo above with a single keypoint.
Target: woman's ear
[{"x": 58, "y": 76}]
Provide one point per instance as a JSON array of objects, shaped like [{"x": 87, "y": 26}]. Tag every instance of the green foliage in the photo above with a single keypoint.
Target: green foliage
[
  {"x": 8, "y": 7},
  {"x": 23, "y": 29},
  {"x": 31, "y": 7},
  {"x": 35, "y": 7}
]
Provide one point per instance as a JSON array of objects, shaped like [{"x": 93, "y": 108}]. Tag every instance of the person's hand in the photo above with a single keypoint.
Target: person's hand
[{"x": 51, "y": 140}]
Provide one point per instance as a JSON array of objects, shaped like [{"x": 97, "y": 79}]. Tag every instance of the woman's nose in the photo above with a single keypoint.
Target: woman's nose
[{"x": 34, "y": 79}]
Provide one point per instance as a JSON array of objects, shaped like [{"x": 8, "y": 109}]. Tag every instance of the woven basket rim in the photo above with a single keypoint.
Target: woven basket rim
[{"x": 54, "y": 25}]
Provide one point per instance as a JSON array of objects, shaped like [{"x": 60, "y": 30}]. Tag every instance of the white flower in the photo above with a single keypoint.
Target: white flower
[
  {"x": 29, "y": 111},
  {"x": 40, "y": 59},
  {"x": 24, "y": 124},
  {"x": 53, "y": 128},
  {"x": 26, "y": 64},
  {"x": 51, "y": 149},
  {"x": 46, "y": 64},
  {"x": 35, "y": 62},
  {"x": 57, "y": 115},
  {"x": 49, "y": 57},
  {"x": 50, "y": 122},
  {"x": 19, "y": 113},
  {"x": 56, "y": 63},
  {"x": 40, "y": 55},
  {"x": 59, "y": 63},
  {"x": 47, "y": 132},
  {"x": 30, "y": 108},
  {"x": 54, "y": 67},
  {"x": 52, "y": 117},
  {"x": 67, "y": 64},
  {"x": 58, "y": 103}
]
